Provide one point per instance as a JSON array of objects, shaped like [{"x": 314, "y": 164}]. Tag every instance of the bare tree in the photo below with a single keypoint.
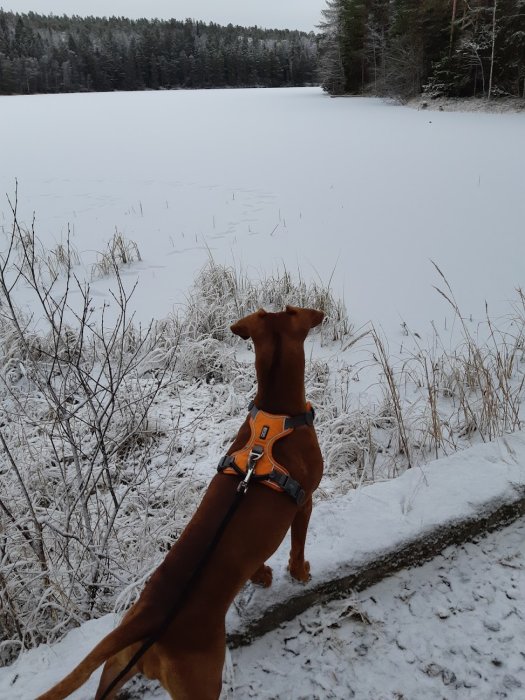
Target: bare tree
[{"x": 77, "y": 389}]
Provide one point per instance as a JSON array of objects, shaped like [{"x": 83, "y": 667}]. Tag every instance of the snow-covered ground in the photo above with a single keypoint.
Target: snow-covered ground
[
  {"x": 469, "y": 104},
  {"x": 452, "y": 628}
]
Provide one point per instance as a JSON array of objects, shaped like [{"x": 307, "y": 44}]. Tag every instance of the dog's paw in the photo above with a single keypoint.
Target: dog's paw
[
  {"x": 263, "y": 576},
  {"x": 300, "y": 571}
]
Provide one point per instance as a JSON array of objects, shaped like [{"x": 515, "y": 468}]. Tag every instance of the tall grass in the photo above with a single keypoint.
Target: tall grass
[
  {"x": 224, "y": 293},
  {"x": 120, "y": 253},
  {"x": 108, "y": 430},
  {"x": 443, "y": 399}
]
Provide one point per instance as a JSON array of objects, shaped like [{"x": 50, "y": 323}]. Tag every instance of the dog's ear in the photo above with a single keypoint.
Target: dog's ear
[
  {"x": 309, "y": 318},
  {"x": 245, "y": 327},
  {"x": 316, "y": 317}
]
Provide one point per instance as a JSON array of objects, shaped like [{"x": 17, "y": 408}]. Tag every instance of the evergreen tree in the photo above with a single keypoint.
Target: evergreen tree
[
  {"x": 331, "y": 67},
  {"x": 400, "y": 47}
]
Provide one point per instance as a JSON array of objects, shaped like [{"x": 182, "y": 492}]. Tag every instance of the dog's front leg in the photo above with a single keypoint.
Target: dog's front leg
[
  {"x": 263, "y": 576},
  {"x": 297, "y": 566}
]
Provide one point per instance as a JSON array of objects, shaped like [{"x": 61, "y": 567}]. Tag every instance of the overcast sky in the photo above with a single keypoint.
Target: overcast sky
[{"x": 292, "y": 14}]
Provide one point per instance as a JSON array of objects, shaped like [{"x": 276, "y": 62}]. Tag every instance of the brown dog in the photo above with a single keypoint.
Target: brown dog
[{"x": 188, "y": 657}]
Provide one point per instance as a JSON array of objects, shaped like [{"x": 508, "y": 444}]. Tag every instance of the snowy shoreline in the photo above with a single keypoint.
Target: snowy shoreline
[
  {"x": 498, "y": 105},
  {"x": 349, "y": 535},
  {"x": 370, "y": 533}
]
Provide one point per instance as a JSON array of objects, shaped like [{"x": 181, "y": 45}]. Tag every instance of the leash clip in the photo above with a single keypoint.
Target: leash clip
[{"x": 256, "y": 453}]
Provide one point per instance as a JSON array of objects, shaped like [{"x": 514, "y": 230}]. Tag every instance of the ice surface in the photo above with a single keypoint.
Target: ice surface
[{"x": 367, "y": 190}]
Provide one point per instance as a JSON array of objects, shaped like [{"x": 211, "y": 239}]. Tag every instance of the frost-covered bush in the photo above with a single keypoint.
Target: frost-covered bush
[
  {"x": 222, "y": 294},
  {"x": 82, "y": 450}
]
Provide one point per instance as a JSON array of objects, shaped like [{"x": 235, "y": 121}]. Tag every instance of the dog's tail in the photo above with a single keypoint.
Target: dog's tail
[{"x": 127, "y": 633}]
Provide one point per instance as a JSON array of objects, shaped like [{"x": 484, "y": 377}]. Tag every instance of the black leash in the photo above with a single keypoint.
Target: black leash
[{"x": 241, "y": 490}]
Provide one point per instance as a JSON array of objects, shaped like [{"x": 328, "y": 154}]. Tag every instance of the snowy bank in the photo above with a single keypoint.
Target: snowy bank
[
  {"x": 499, "y": 105},
  {"x": 358, "y": 539},
  {"x": 354, "y": 541}
]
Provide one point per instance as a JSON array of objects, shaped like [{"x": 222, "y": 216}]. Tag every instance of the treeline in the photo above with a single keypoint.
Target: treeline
[
  {"x": 47, "y": 54},
  {"x": 455, "y": 48}
]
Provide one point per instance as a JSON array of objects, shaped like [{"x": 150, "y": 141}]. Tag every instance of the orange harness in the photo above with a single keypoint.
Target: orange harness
[{"x": 255, "y": 460}]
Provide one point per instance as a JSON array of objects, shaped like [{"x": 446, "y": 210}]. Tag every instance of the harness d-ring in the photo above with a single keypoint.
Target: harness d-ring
[{"x": 255, "y": 455}]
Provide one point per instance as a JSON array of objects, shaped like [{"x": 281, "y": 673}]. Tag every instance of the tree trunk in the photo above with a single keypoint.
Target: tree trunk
[
  {"x": 493, "y": 47},
  {"x": 452, "y": 21}
]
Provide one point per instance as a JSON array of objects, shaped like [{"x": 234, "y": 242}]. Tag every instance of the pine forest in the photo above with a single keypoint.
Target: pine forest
[
  {"x": 397, "y": 48},
  {"x": 40, "y": 54},
  {"x": 402, "y": 48}
]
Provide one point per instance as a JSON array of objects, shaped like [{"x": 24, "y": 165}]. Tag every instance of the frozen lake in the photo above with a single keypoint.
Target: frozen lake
[{"x": 355, "y": 188}]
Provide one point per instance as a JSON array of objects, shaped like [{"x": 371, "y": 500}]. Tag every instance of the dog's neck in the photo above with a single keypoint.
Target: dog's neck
[{"x": 279, "y": 365}]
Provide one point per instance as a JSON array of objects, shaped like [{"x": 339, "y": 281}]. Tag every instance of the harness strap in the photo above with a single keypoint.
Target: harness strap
[
  {"x": 291, "y": 422},
  {"x": 288, "y": 485},
  {"x": 280, "y": 478}
]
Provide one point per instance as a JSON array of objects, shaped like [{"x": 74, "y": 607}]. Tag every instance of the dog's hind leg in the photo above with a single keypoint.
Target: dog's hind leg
[
  {"x": 194, "y": 675},
  {"x": 198, "y": 678},
  {"x": 112, "y": 668},
  {"x": 298, "y": 567}
]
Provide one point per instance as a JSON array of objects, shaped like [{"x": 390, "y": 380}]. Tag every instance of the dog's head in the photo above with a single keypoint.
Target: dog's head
[
  {"x": 278, "y": 340},
  {"x": 294, "y": 323}
]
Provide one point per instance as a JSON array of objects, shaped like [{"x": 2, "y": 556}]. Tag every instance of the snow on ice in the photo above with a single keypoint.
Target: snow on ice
[{"x": 355, "y": 191}]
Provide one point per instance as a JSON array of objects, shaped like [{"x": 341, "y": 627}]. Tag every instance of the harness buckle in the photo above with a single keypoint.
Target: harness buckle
[
  {"x": 224, "y": 462},
  {"x": 256, "y": 453}
]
